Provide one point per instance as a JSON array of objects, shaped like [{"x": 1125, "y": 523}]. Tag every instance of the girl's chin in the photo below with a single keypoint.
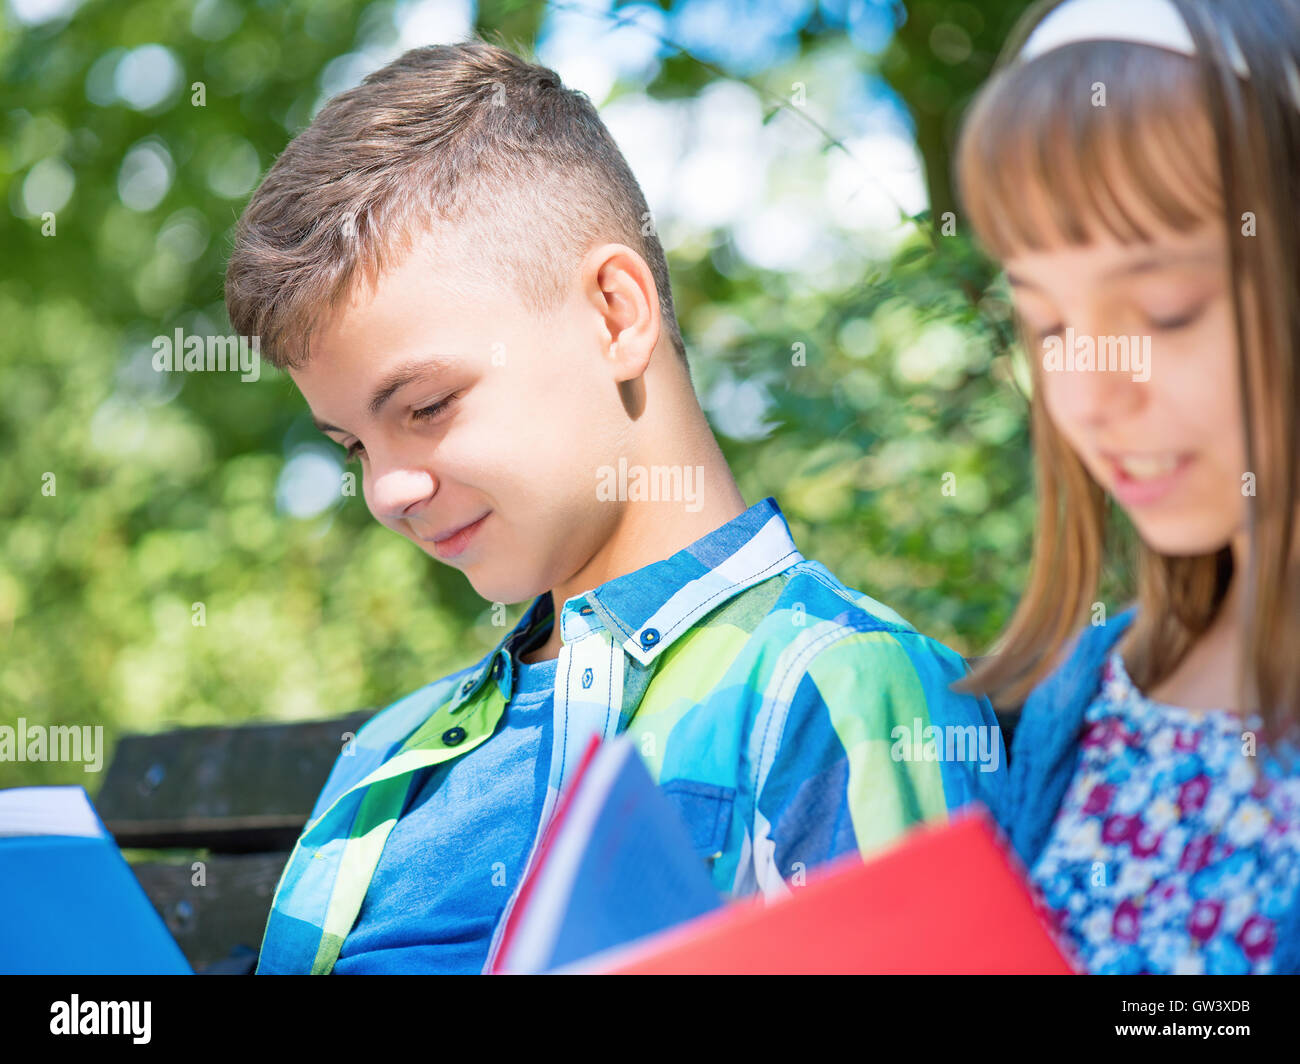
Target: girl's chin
[{"x": 1179, "y": 539}]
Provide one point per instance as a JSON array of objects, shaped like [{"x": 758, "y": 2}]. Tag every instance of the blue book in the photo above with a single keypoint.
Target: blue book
[
  {"x": 69, "y": 903},
  {"x": 616, "y": 865}
]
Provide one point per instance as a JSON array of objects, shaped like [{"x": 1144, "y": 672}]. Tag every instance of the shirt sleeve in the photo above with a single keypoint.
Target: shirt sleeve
[{"x": 872, "y": 742}]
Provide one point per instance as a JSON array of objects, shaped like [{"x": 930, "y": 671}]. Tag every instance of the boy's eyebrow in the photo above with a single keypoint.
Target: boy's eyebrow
[{"x": 391, "y": 382}]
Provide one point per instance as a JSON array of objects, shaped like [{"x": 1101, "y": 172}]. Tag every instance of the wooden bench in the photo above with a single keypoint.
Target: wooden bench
[
  {"x": 234, "y": 800},
  {"x": 220, "y": 808}
]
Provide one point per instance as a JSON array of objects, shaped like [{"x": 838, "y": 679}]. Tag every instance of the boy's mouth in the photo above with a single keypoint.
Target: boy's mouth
[{"x": 452, "y": 541}]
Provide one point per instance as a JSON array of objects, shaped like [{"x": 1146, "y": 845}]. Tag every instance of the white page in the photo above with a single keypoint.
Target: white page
[
  {"x": 535, "y": 938},
  {"x": 48, "y": 811}
]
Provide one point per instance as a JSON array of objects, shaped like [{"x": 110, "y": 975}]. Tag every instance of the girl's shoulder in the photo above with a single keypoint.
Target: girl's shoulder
[
  {"x": 1060, "y": 699},
  {"x": 1047, "y": 736}
]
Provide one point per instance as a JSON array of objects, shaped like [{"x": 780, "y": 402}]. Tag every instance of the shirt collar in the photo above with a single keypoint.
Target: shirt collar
[{"x": 648, "y": 609}]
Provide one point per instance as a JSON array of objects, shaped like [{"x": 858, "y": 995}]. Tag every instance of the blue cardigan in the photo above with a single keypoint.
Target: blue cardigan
[{"x": 1045, "y": 753}]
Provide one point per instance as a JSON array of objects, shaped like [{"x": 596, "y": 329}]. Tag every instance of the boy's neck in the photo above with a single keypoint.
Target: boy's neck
[{"x": 648, "y": 532}]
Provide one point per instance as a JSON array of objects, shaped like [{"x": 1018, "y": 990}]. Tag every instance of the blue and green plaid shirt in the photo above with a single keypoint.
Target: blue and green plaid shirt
[{"x": 790, "y": 718}]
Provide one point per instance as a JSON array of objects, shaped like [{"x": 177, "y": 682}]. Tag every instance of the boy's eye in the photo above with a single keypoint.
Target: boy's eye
[
  {"x": 434, "y": 409},
  {"x": 424, "y": 413}
]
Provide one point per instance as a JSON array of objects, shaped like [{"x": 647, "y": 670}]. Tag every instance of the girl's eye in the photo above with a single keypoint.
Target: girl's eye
[
  {"x": 354, "y": 451},
  {"x": 1040, "y": 335},
  {"x": 1180, "y": 321}
]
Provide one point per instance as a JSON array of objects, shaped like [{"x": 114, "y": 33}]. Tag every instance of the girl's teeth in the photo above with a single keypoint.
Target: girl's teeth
[{"x": 1148, "y": 468}]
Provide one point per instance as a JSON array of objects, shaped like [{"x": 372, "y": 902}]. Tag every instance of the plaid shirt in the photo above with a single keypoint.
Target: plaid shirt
[{"x": 768, "y": 700}]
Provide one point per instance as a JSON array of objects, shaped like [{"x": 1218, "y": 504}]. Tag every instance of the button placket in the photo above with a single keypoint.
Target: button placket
[
  {"x": 578, "y": 714},
  {"x": 588, "y": 699}
]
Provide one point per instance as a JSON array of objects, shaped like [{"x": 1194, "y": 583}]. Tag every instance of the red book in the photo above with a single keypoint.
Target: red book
[
  {"x": 948, "y": 899},
  {"x": 617, "y": 888}
]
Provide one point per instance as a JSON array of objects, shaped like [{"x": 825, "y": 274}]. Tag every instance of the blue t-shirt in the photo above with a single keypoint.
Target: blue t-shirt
[{"x": 456, "y": 854}]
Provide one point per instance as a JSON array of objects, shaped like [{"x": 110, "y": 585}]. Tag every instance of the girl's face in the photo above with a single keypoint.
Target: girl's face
[{"x": 1160, "y": 429}]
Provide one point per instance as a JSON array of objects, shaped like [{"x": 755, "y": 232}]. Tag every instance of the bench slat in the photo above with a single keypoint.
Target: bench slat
[
  {"x": 229, "y": 908},
  {"x": 242, "y": 789}
]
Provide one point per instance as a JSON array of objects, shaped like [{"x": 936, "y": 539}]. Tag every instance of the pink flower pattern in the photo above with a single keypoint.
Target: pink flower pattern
[{"x": 1168, "y": 853}]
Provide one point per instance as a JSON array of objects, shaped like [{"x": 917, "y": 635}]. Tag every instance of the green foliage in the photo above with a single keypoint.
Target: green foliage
[
  {"x": 907, "y": 390},
  {"x": 164, "y": 493}
]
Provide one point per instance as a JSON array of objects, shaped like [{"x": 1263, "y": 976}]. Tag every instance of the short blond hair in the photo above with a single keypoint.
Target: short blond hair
[{"x": 467, "y": 134}]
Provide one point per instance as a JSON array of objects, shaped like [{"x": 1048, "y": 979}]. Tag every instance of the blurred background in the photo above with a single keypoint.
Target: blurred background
[{"x": 849, "y": 344}]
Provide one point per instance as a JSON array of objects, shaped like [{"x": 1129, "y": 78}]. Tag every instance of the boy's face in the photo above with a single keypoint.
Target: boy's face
[
  {"x": 1165, "y": 438},
  {"x": 478, "y": 424}
]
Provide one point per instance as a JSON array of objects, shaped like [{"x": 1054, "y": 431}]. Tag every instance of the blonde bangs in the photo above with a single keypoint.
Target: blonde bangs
[{"x": 1091, "y": 140}]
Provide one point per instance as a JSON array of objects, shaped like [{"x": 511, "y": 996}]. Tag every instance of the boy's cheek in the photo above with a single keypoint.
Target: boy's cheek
[{"x": 372, "y": 503}]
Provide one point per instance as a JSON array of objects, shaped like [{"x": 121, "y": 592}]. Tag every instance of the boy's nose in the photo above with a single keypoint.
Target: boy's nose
[{"x": 396, "y": 493}]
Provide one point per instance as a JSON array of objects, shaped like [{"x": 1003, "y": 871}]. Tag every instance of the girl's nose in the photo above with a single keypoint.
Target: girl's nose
[{"x": 1097, "y": 381}]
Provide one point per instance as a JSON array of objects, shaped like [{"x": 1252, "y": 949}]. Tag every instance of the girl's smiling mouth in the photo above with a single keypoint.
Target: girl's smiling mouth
[{"x": 1144, "y": 479}]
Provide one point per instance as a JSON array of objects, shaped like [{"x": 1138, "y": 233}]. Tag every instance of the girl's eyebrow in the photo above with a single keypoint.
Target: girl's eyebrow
[
  {"x": 1145, "y": 264},
  {"x": 1149, "y": 263}
]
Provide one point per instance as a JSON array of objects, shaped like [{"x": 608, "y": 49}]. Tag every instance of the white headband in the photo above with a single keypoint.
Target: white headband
[{"x": 1152, "y": 22}]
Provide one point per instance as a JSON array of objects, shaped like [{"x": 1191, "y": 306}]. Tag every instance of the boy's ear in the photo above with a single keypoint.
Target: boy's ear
[{"x": 620, "y": 286}]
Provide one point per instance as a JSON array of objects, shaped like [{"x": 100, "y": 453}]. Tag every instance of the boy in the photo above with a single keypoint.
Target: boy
[{"x": 453, "y": 263}]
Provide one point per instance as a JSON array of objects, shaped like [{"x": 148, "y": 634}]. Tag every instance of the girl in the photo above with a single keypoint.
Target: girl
[{"x": 1134, "y": 166}]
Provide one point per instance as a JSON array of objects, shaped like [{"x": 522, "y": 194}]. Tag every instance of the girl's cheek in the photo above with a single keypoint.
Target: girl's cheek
[
  {"x": 1201, "y": 383},
  {"x": 1066, "y": 414}
]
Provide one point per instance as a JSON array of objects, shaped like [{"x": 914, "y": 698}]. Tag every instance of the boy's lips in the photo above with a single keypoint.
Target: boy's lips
[{"x": 452, "y": 541}]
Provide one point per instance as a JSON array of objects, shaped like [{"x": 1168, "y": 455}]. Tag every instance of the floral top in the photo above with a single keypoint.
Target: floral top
[{"x": 1177, "y": 847}]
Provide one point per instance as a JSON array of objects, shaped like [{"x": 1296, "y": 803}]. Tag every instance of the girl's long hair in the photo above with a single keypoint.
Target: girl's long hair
[{"x": 1177, "y": 139}]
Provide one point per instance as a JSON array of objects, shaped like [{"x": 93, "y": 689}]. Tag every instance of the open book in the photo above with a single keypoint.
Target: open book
[
  {"x": 617, "y": 888},
  {"x": 69, "y": 903}
]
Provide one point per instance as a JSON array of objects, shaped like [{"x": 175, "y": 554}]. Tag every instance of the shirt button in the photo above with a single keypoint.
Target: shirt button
[
  {"x": 585, "y": 610},
  {"x": 586, "y": 678},
  {"x": 466, "y": 687},
  {"x": 649, "y": 638},
  {"x": 453, "y": 736}
]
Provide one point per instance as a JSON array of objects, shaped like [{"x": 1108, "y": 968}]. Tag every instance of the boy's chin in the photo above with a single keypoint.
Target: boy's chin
[{"x": 496, "y": 587}]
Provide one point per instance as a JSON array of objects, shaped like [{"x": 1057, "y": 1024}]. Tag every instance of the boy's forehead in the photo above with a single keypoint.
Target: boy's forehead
[
  {"x": 420, "y": 293},
  {"x": 436, "y": 265}
]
